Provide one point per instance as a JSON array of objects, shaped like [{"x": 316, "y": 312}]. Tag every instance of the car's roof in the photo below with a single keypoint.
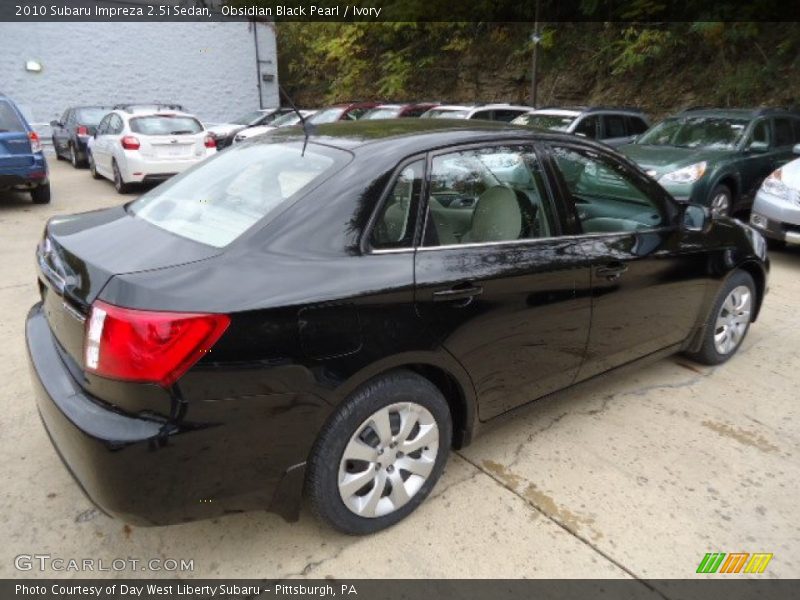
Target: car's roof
[
  {"x": 153, "y": 113},
  {"x": 408, "y": 135},
  {"x": 559, "y": 112},
  {"x": 734, "y": 113}
]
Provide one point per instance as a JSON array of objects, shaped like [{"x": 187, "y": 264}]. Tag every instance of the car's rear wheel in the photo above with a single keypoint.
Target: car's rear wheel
[
  {"x": 119, "y": 183},
  {"x": 41, "y": 194},
  {"x": 721, "y": 201},
  {"x": 380, "y": 454},
  {"x": 73, "y": 157},
  {"x": 729, "y": 320}
]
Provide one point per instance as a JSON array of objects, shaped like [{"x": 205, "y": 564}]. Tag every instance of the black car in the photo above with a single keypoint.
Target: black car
[
  {"x": 337, "y": 313},
  {"x": 72, "y": 132}
]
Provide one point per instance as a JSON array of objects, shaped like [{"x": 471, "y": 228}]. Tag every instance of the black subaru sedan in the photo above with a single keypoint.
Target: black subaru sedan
[{"x": 332, "y": 315}]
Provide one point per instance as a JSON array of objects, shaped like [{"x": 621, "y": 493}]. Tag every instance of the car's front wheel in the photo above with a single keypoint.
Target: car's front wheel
[
  {"x": 119, "y": 183},
  {"x": 729, "y": 320},
  {"x": 93, "y": 167},
  {"x": 380, "y": 454},
  {"x": 721, "y": 201}
]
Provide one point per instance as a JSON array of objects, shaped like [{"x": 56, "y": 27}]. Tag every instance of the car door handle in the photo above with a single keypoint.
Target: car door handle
[
  {"x": 463, "y": 292},
  {"x": 611, "y": 271}
]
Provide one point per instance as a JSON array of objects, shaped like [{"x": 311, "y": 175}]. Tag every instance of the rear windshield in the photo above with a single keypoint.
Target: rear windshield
[
  {"x": 163, "y": 125},
  {"x": 217, "y": 201},
  {"x": 551, "y": 122},
  {"x": 9, "y": 120},
  {"x": 445, "y": 113},
  {"x": 91, "y": 116}
]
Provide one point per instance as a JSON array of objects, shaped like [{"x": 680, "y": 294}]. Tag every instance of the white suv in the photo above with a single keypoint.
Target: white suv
[{"x": 141, "y": 146}]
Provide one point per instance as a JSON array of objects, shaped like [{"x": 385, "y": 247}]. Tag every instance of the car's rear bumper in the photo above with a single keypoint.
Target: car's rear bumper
[
  {"x": 24, "y": 176},
  {"x": 142, "y": 470},
  {"x": 138, "y": 169},
  {"x": 776, "y": 219}
]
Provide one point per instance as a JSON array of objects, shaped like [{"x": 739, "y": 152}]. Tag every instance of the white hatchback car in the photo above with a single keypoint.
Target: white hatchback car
[{"x": 142, "y": 146}]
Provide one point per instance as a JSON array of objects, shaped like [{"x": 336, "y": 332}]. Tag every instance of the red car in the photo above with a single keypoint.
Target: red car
[
  {"x": 399, "y": 111},
  {"x": 347, "y": 111}
]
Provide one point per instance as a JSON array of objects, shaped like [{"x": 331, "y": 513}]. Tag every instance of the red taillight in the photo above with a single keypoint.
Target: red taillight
[
  {"x": 130, "y": 142},
  {"x": 210, "y": 142},
  {"x": 147, "y": 346},
  {"x": 82, "y": 130},
  {"x": 36, "y": 143}
]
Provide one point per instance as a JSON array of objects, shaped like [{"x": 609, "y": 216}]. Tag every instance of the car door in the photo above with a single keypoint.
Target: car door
[
  {"x": 495, "y": 284},
  {"x": 99, "y": 146},
  {"x": 646, "y": 288},
  {"x": 61, "y": 132}
]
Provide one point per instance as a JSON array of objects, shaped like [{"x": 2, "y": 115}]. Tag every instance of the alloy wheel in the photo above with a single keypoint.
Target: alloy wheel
[
  {"x": 733, "y": 320},
  {"x": 720, "y": 204},
  {"x": 117, "y": 178},
  {"x": 73, "y": 156},
  {"x": 388, "y": 459}
]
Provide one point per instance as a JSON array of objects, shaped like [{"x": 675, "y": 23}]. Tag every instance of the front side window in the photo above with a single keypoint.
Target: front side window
[
  {"x": 761, "y": 137},
  {"x": 394, "y": 227},
  {"x": 696, "y": 132},
  {"x": 614, "y": 126},
  {"x": 636, "y": 125},
  {"x": 492, "y": 194},
  {"x": 217, "y": 201},
  {"x": 608, "y": 197},
  {"x": 329, "y": 115}
]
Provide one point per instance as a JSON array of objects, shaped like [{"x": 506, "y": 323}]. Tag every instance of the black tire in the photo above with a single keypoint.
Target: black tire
[
  {"x": 41, "y": 194},
  {"x": 119, "y": 184},
  {"x": 322, "y": 480},
  {"x": 719, "y": 195},
  {"x": 708, "y": 353},
  {"x": 93, "y": 168},
  {"x": 76, "y": 162}
]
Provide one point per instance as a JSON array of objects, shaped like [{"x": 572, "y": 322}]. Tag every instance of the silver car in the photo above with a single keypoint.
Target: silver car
[{"x": 776, "y": 210}]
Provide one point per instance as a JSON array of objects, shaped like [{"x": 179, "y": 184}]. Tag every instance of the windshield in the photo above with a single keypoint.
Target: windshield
[
  {"x": 696, "y": 132},
  {"x": 551, "y": 122},
  {"x": 217, "y": 201},
  {"x": 382, "y": 113},
  {"x": 329, "y": 115},
  {"x": 163, "y": 125},
  {"x": 248, "y": 118},
  {"x": 91, "y": 116},
  {"x": 446, "y": 113}
]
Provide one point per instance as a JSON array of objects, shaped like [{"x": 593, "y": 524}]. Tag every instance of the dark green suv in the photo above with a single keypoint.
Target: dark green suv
[{"x": 716, "y": 157}]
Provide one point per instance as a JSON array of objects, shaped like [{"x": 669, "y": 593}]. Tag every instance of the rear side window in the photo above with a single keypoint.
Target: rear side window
[
  {"x": 161, "y": 125},
  {"x": 587, "y": 127},
  {"x": 507, "y": 115},
  {"x": 394, "y": 227},
  {"x": 636, "y": 125},
  {"x": 9, "y": 120},
  {"x": 783, "y": 132},
  {"x": 217, "y": 201},
  {"x": 485, "y": 115},
  {"x": 614, "y": 126}
]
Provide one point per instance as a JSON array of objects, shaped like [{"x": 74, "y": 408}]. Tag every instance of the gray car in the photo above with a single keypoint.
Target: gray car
[
  {"x": 776, "y": 210},
  {"x": 612, "y": 126}
]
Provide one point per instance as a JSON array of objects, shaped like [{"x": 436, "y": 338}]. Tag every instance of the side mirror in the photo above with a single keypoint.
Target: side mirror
[
  {"x": 796, "y": 149},
  {"x": 758, "y": 147},
  {"x": 696, "y": 217},
  {"x": 58, "y": 124}
]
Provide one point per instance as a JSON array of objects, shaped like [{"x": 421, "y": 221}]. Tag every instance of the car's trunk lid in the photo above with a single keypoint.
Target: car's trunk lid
[{"x": 81, "y": 253}]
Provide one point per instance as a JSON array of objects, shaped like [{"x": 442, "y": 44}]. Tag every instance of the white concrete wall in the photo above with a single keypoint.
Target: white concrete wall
[{"x": 210, "y": 68}]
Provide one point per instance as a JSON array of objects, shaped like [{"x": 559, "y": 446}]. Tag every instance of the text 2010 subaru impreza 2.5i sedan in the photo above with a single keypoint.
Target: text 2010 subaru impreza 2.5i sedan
[{"x": 334, "y": 314}]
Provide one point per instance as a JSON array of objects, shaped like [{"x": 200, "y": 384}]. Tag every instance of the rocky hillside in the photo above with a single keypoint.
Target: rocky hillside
[{"x": 659, "y": 67}]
